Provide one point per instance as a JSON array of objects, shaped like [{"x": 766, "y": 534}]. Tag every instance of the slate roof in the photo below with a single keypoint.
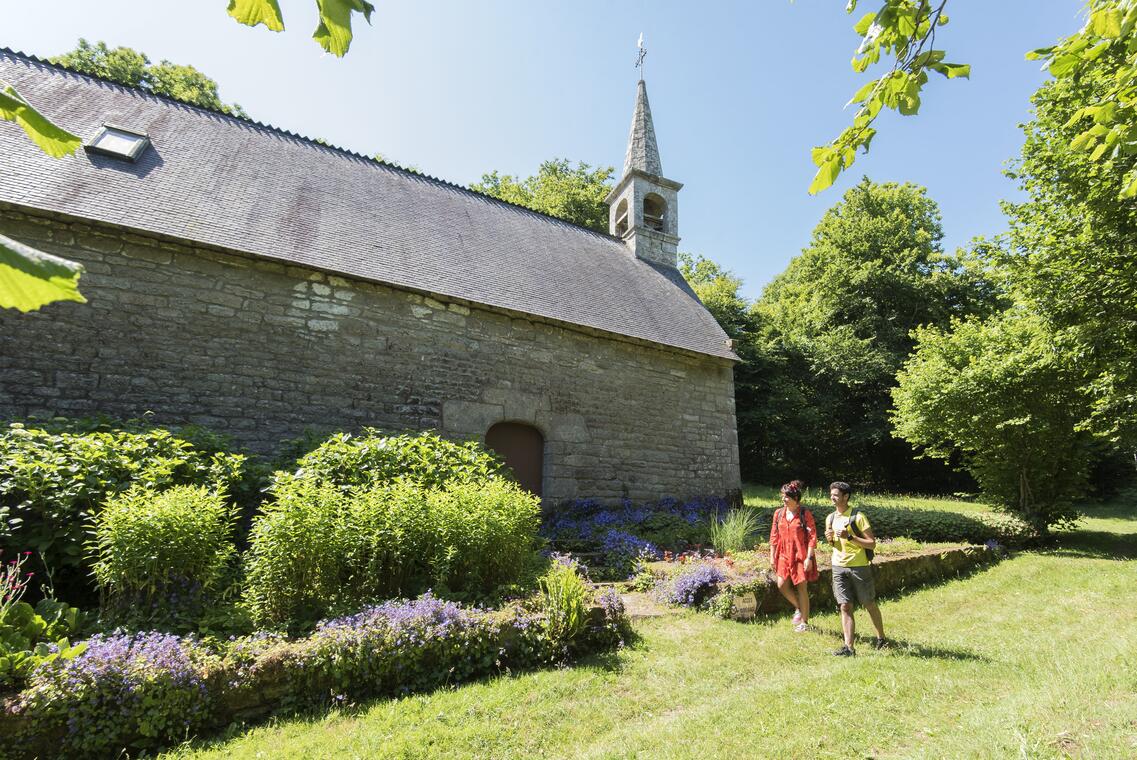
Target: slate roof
[{"x": 249, "y": 187}]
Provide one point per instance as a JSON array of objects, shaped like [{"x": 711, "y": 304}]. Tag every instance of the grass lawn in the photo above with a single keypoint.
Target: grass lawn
[
  {"x": 1034, "y": 657},
  {"x": 818, "y": 500}
]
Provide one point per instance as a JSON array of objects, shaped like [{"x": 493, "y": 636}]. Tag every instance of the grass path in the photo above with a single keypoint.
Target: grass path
[{"x": 1035, "y": 657}]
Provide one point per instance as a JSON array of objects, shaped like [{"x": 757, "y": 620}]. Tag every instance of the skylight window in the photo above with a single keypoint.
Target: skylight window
[{"x": 119, "y": 143}]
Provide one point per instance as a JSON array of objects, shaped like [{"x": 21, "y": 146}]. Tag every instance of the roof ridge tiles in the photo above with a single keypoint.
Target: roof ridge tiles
[{"x": 4, "y": 50}]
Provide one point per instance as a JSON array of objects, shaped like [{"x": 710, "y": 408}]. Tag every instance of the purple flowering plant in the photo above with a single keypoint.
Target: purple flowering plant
[
  {"x": 619, "y": 533},
  {"x": 693, "y": 585},
  {"x": 140, "y": 690}
]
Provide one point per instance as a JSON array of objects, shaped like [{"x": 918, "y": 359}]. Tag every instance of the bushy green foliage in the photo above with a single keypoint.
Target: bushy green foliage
[
  {"x": 351, "y": 462},
  {"x": 317, "y": 548},
  {"x": 31, "y": 636},
  {"x": 134, "y": 69},
  {"x": 55, "y": 483},
  {"x": 734, "y": 532},
  {"x": 1070, "y": 249},
  {"x": 575, "y": 194},
  {"x": 1004, "y": 394},
  {"x": 840, "y": 319},
  {"x": 162, "y": 552}
]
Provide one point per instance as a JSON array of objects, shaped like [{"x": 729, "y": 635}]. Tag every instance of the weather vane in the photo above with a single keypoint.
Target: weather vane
[{"x": 641, "y": 55}]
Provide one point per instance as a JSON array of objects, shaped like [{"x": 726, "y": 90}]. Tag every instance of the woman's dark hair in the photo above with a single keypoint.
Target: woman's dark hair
[
  {"x": 841, "y": 486},
  {"x": 794, "y": 489}
]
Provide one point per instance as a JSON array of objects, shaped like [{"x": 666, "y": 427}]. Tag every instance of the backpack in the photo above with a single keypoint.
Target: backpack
[{"x": 856, "y": 532}]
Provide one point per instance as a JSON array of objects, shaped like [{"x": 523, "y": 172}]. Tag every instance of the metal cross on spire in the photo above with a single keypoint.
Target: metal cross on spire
[{"x": 640, "y": 55}]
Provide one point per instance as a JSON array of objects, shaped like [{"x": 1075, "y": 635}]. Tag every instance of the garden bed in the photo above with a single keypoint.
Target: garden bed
[{"x": 736, "y": 576}]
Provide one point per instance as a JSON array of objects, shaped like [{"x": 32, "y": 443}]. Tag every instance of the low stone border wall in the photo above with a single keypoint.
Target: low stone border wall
[{"x": 893, "y": 574}]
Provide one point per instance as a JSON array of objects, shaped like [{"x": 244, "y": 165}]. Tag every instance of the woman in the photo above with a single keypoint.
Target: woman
[{"x": 793, "y": 543}]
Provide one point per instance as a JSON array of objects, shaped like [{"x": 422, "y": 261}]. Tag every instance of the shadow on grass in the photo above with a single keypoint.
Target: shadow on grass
[
  {"x": 905, "y": 648},
  {"x": 1093, "y": 544}
]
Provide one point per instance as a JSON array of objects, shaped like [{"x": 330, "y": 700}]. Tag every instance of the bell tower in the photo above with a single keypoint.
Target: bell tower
[{"x": 643, "y": 206}]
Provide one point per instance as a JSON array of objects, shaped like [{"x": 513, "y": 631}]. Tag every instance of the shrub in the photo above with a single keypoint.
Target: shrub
[
  {"x": 375, "y": 458},
  {"x": 135, "y": 691},
  {"x": 162, "y": 552},
  {"x": 53, "y": 483},
  {"x": 734, "y": 532},
  {"x": 317, "y": 549},
  {"x": 482, "y": 536},
  {"x": 295, "y": 559}
]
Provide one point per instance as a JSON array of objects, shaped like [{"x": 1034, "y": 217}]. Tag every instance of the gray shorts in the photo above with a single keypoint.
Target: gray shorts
[{"x": 853, "y": 582}]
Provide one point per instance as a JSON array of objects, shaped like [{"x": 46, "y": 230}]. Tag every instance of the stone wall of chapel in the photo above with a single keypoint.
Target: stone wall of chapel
[{"x": 261, "y": 351}]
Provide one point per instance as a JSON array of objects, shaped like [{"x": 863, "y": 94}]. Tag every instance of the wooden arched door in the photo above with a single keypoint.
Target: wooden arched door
[{"x": 523, "y": 449}]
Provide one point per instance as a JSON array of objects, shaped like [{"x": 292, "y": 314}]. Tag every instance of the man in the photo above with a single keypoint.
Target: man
[{"x": 851, "y": 536}]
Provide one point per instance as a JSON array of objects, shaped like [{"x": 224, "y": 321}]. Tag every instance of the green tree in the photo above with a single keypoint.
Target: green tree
[
  {"x": 575, "y": 194},
  {"x": 1071, "y": 252},
  {"x": 134, "y": 69},
  {"x": 841, "y": 315},
  {"x": 1004, "y": 394}
]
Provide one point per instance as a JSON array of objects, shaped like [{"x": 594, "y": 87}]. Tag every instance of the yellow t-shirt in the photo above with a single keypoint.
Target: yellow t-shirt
[{"x": 845, "y": 552}]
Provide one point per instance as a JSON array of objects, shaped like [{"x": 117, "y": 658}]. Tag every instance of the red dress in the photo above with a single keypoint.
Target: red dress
[{"x": 790, "y": 545}]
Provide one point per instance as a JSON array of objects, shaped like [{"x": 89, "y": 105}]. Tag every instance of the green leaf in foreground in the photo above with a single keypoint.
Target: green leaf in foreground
[
  {"x": 30, "y": 279},
  {"x": 253, "y": 12},
  {"x": 334, "y": 31},
  {"x": 52, "y": 139}
]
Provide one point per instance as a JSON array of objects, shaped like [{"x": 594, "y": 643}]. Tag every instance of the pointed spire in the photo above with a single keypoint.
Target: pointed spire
[{"x": 643, "y": 153}]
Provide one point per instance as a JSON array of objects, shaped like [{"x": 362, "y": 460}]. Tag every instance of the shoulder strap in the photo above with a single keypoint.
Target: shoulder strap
[{"x": 853, "y": 522}]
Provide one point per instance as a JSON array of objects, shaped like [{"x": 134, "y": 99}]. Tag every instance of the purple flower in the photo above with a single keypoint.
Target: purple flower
[{"x": 691, "y": 588}]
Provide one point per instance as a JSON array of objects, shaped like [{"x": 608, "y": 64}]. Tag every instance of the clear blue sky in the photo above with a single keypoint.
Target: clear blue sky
[{"x": 740, "y": 92}]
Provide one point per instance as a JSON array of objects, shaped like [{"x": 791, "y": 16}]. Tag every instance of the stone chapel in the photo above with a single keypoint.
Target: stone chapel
[{"x": 261, "y": 284}]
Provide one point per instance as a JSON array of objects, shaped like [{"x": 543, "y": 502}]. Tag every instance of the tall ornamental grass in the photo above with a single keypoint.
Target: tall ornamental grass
[{"x": 734, "y": 532}]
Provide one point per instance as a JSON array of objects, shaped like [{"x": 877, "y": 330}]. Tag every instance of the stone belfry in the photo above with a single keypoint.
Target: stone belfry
[{"x": 643, "y": 207}]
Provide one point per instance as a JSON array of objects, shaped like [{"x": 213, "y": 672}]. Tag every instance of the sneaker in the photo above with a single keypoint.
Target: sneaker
[
  {"x": 801, "y": 627},
  {"x": 880, "y": 643},
  {"x": 844, "y": 652},
  {"x": 797, "y": 617}
]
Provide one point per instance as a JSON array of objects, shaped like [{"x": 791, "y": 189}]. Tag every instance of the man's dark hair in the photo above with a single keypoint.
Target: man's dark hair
[{"x": 841, "y": 486}]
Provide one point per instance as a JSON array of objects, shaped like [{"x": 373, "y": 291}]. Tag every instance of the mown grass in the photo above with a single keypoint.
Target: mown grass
[
  {"x": 769, "y": 496},
  {"x": 1034, "y": 657}
]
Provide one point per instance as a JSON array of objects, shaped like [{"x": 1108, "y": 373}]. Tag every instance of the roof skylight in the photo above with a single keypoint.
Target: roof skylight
[{"x": 118, "y": 142}]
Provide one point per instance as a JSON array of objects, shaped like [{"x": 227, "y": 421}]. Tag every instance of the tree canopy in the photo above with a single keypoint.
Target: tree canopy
[
  {"x": 134, "y": 69},
  {"x": 575, "y": 194},
  {"x": 842, "y": 314}
]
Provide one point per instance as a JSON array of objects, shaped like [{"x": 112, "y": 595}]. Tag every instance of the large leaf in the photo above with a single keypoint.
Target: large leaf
[
  {"x": 30, "y": 279},
  {"x": 52, "y": 139},
  {"x": 334, "y": 31},
  {"x": 253, "y": 12}
]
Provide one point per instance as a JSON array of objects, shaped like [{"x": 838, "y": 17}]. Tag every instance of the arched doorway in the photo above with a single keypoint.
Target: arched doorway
[{"x": 523, "y": 449}]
